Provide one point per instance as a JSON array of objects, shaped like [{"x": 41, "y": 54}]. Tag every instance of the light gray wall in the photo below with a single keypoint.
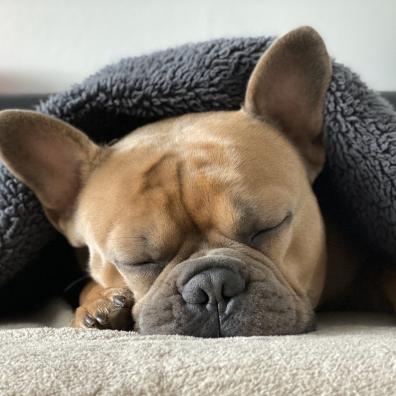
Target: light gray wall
[{"x": 45, "y": 45}]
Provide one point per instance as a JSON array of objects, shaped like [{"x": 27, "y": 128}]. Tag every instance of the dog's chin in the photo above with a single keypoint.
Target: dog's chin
[{"x": 262, "y": 309}]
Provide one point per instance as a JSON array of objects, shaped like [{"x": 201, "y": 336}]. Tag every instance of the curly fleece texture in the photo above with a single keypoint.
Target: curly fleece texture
[{"x": 360, "y": 174}]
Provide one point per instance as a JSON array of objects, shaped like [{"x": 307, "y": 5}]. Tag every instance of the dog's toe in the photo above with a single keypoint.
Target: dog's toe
[
  {"x": 111, "y": 311},
  {"x": 89, "y": 321}
]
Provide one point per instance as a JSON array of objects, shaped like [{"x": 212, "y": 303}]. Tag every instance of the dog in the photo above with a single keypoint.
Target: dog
[{"x": 205, "y": 224}]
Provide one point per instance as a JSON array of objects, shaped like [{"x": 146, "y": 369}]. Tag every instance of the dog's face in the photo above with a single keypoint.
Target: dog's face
[{"x": 209, "y": 218}]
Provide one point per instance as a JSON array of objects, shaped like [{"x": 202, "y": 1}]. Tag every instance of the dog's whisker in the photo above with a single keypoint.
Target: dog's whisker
[{"x": 75, "y": 282}]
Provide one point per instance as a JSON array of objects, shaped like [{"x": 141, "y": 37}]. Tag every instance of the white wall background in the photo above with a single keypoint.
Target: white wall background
[{"x": 45, "y": 45}]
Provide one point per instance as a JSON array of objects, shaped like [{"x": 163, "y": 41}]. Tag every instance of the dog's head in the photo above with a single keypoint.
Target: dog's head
[{"x": 209, "y": 218}]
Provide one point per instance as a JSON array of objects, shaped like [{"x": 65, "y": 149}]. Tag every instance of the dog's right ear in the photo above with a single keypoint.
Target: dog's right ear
[
  {"x": 50, "y": 156},
  {"x": 287, "y": 89}
]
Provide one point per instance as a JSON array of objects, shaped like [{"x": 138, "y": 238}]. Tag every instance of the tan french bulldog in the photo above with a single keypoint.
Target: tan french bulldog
[{"x": 204, "y": 224}]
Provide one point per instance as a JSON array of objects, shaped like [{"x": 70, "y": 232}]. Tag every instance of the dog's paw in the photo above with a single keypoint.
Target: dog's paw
[{"x": 112, "y": 310}]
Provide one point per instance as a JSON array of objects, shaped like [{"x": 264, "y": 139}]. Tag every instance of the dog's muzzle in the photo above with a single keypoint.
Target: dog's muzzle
[{"x": 215, "y": 296}]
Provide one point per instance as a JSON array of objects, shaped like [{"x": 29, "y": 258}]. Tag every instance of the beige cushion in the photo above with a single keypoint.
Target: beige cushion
[{"x": 350, "y": 354}]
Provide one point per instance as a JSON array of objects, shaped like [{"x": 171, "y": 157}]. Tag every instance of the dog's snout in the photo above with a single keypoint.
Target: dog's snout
[{"x": 213, "y": 286}]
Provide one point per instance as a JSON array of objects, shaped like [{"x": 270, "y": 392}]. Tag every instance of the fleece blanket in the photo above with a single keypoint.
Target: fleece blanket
[
  {"x": 349, "y": 354},
  {"x": 360, "y": 174}
]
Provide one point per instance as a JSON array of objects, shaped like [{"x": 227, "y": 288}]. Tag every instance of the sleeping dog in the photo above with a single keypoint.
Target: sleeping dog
[{"x": 205, "y": 224}]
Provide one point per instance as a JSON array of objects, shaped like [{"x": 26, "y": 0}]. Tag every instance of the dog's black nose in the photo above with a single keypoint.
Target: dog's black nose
[{"x": 213, "y": 286}]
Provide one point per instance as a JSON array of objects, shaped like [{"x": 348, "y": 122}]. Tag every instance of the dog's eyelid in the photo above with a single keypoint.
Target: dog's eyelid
[
  {"x": 121, "y": 263},
  {"x": 286, "y": 220},
  {"x": 143, "y": 263},
  {"x": 135, "y": 263}
]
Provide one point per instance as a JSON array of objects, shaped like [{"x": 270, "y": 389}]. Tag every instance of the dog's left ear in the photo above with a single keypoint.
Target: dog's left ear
[
  {"x": 287, "y": 89},
  {"x": 50, "y": 156}
]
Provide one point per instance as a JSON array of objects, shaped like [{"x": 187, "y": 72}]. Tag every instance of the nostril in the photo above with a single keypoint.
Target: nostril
[
  {"x": 232, "y": 286},
  {"x": 203, "y": 298},
  {"x": 194, "y": 295},
  {"x": 213, "y": 286},
  {"x": 225, "y": 294}
]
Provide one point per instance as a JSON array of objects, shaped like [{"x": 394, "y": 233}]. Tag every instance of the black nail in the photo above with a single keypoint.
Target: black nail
[
  {"x": 101, "y": 318},
  {"x": 119, "y": 301},
  {"x": 89, "y": 321}
]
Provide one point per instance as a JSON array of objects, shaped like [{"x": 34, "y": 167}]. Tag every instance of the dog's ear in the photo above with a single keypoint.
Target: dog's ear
[
  {"x": 287, "y": 89},
  {"x": 51, "y": 157}
]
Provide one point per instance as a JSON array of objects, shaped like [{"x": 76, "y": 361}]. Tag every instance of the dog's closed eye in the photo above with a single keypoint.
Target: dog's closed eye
[
  {"x": 145, "y": 265},
  {"x": 257, "y": 237}
]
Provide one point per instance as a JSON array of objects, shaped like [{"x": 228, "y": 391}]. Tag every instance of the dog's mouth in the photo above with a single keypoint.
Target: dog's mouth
[
  {"x": 222, "y": 302},
  {"x": 248, "y": 315}
]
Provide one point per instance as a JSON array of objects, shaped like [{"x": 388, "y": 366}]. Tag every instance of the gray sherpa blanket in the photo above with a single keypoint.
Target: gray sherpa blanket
[{"x": 360, "y": 174}]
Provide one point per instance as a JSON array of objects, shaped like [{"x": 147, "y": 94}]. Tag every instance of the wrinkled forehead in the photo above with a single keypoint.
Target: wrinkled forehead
[
  {"x": 216, "y": 170},
  {"x": 232, "y": 141}
]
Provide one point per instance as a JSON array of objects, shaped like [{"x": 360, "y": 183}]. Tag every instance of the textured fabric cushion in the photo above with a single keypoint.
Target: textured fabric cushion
[
  {"x": 350, "y": 354},
  {"x": 360, "y": 175}
]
